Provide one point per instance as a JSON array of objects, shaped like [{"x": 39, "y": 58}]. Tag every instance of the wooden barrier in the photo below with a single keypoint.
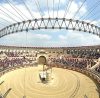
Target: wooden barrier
[{"x": 83, "y": 71}]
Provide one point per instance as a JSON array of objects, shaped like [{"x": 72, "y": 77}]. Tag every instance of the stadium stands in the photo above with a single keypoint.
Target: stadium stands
[
  {"x": 77, "y": 57},
  {"x": 98, "y": 69}
]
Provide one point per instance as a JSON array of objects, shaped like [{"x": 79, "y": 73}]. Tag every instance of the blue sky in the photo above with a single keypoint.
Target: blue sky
[{"x": 49, "y": 38}]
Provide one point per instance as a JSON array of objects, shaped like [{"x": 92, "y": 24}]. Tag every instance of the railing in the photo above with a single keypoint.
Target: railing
[
  {"x": 8, "y": 69},
  {"x": 87, "y": 72},
  {"x": 90, "y": 73}
]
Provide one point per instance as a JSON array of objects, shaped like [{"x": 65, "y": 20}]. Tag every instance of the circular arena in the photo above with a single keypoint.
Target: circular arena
[
  {"x": 67, "y": 77},
  {"x": 70, "y": 84},
  {"x": 49, "y": 49}
]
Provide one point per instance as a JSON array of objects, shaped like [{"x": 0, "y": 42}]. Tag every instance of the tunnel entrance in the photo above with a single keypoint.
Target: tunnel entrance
[{"x": 42, "y": 60}]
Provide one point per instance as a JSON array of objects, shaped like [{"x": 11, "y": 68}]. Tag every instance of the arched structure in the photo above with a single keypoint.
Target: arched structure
[
  {"x": 42, "y": 60},
  {"x": 51, "y": 23}
]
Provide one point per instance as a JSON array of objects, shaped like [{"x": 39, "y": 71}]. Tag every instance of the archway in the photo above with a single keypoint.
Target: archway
[{"x": 42, "y": 60}]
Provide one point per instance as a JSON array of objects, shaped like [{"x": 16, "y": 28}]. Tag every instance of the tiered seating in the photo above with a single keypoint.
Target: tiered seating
[
  {"x": 12, "y": 54},
  {"x": 74, "y": 57},
  {"x": 90, "y": 54},
  {"x": 11, "y": 62},
  {"x": 74, "y": 62},
  {"x": 12, "y": 59},
  {"x": 98, "y": 69}
]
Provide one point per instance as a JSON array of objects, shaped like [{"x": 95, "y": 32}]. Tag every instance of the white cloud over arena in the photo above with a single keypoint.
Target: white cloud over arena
[{"x": 45, "y": 37}]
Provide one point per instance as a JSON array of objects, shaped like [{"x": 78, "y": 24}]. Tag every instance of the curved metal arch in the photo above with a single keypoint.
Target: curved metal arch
[{"x": 51, "y": 23}]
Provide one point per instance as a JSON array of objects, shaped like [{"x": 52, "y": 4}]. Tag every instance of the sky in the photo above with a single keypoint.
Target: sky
[{"x": 89, "y": 12}]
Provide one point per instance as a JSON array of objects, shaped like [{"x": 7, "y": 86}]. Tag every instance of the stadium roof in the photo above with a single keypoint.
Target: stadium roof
[{"x": 13, "y": 11}]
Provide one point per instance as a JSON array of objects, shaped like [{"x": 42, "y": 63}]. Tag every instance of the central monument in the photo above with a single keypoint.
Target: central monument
[{"x": 44, "y": 73}]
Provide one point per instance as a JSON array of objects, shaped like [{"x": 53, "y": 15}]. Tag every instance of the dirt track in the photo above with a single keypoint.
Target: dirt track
[{"x": 64, "y": 84}]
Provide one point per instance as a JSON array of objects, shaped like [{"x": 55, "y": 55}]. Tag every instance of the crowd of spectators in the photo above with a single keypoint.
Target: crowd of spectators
[
  {"x": 12, "y": 59},
  {"x": 6, "y": 63},
  {"x": 10, "y": 54},
  {"x": 74, "y": 62},
  {"x": 80, "y": 63},
  {"x": 90, "y": 54},
  {"x": 98, "y": 69},
  {"x": 79, "y": 59}
]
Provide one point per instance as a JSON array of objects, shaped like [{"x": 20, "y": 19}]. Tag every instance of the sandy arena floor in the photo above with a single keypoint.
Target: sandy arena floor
[{"x": 64, "y": 84}]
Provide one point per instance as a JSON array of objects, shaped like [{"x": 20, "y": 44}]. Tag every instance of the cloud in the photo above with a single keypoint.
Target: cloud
[
  {"x": 41, "y": 8},
  {"x": 45, "y": 37},
  {"x": 30, "y": 35},
  {"x": 60, "y": 38},
  {"x": 23, "y": 39},
  {"x": 40, "y": 36},
  {"x": 79, "y": 38}
]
